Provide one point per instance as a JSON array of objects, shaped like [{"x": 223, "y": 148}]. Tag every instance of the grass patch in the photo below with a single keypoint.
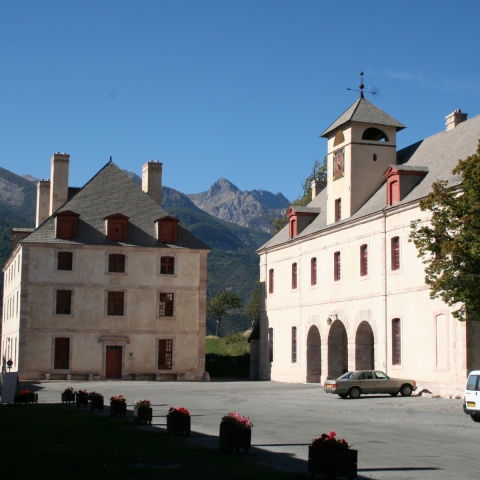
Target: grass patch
[
  {"x": 232, "y": 345},
  {"x": 62, "y": 441}
]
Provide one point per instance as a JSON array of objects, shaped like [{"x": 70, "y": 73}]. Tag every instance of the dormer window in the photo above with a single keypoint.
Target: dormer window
[
  {"x": 299, "y": 218},
  {"x": 66, "y": 225},
  {"x": 401, "y": 180},
  {"x": 117, "y": 227},
  {"x": 167, "y": 229},
  {"x": 374, "y": 134}
]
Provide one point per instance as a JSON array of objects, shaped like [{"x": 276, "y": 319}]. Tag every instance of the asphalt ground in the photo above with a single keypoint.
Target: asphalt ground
[{"x": 396, "y": 437}]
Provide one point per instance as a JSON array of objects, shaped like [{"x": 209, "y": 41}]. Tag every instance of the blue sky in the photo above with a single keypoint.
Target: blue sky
[{"x": 233, "y": 89}]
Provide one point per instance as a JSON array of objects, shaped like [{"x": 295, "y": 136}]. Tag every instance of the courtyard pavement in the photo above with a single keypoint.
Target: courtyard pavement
[{"x": 397, "y": 437}]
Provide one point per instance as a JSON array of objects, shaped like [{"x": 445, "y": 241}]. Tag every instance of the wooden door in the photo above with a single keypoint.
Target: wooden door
[{"x": 113, "y": 364}]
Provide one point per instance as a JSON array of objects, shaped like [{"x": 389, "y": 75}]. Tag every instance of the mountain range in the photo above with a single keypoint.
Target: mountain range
[{"x": 215, "y": 217}]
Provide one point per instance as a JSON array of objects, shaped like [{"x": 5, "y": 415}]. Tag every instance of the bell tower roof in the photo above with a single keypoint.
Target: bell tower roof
[{"x": 365, "y": 112}]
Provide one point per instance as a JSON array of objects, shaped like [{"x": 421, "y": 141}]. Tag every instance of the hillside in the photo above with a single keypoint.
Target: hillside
[{"x": 232, "y": 262}]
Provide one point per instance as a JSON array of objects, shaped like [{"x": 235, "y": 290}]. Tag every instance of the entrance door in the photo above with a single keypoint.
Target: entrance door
[
  {"x": 313, "y": 355},
  {"x": 113, "y": 364}
]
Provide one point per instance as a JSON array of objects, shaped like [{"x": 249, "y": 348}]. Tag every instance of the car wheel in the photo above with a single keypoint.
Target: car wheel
[
  {"x": 343, "y": 395},
  {"x": 475, "y": 418},
  {"x": 406, "y": 390},
  {"x": 393, "y": 394},
  {"x": 355, "y": 392}
]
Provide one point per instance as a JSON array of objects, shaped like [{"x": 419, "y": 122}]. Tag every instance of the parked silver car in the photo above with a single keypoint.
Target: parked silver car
[{"x": 354, "y": 384}]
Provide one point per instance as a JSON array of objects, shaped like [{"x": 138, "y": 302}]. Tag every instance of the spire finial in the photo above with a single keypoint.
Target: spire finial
[
  {"x": 361, "y": 87},
  {"x": 110, "y": 159}
]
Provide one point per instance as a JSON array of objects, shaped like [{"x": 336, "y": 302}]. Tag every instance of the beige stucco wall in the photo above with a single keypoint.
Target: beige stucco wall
[
  {"x": 89, "y": 327},
  {"x": 377, "y": 298}
]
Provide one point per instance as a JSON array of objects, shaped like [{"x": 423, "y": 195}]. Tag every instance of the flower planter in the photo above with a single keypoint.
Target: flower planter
[
  {"x": 29, "y": 398},
  {"x": 142, "y": 414},
  {"x": 232, "y": 438},
  {"x": 332, "y": 463},
  {"x": 178, "y": 423},
  {"x": 118, "y": 408},
  {"x": 68, "y": 397},
  {"x": 96, "y": 403},
  {"x": 81, "y": 400}
]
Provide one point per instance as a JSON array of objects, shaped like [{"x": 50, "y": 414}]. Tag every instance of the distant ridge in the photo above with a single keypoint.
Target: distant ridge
[{"x": 254, "y": 209}]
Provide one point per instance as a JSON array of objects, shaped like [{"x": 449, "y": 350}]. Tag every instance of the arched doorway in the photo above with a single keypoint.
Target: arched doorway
[
  {"x": 313, "y": 355},
  {"x": 364, "y": 352},
  {"x": 337, "y": 350}
]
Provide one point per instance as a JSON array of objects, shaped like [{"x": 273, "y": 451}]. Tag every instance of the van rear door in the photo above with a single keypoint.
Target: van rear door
[{"x": 472, "y": 397}]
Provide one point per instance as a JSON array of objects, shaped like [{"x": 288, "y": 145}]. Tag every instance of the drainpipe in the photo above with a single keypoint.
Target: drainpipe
[{"x": 384, "y": 266}]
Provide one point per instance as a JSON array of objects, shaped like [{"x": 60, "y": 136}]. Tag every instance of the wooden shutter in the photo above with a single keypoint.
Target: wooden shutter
[
  {"x": 336, "y": 266},
  {"x": 395, "y": 253},
  {"x": 294, "y": 344},
  {"x": 294, "y": 276},
  {"x": 116, "y": 263},
  {"x": 167, "y": 265},
  {"x": 65, "y": 261},
  {"x": 313, "y": 271},
  {"x": 338, "y": 209},
  {"x": 64, "y": 302},
  {"x": 270, "y": 281},
  {"x": 166, "y": 305},
  {"x": 115, "y": 303},
  {"x": 270, "y": 344},
  {"x": 363, "y": 260},
  {"x": 396, "y": 342},
  {"x": 62, "y": 354},
  {"x": 165, "y": 353}
]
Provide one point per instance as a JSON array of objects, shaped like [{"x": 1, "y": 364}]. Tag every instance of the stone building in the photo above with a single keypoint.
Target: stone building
[
  {"x": 107, "y": 285},
  {"x": 343, "y": 286}
]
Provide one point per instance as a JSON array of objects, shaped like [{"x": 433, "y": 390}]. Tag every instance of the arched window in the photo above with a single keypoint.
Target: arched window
[
  {"x": 339, "y": 138},
  {"x": 374, "y": 134}
]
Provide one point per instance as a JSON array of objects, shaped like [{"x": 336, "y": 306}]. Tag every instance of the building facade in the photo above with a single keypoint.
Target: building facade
[
  {"x": 343, "y": 286},
  {"x": 107, "y": 285}
]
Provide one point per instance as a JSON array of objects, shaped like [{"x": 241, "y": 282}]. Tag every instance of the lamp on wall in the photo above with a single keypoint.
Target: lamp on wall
[{"x": 329, "y": 319}]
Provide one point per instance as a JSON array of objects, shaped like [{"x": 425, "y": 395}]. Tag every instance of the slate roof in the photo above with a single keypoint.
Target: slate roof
[
  {"x": 109, "y": 192},
  {"x": 364, "y": 111},
  {"x": 438, "y": 155}
]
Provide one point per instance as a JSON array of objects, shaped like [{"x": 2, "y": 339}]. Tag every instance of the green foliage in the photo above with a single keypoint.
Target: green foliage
[
  {"x": 252, "y": 308},
  {"x": 449, "y": 243},
  {"x": 230, "y": 345},
  {"x": 319, "y": 172},
  {"x": 222, "y": 303}
]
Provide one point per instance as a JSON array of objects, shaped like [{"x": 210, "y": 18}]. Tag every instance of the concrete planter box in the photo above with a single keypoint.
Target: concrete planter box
[
  {"x": 235, "y": 439},
  {"x": 118, "y": 408},
  {"x": 178, "y": 423},
  {"x": 143, "y": 414},
  {"x": 332, "y": 463}
]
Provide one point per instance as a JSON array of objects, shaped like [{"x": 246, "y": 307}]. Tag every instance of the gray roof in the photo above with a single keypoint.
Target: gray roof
[
  {"x": 109, "y": 192},
  {"x": 364, "y": 111},
  {"x": 305, "y": 209},
  {"x": 437, "y": 155}
]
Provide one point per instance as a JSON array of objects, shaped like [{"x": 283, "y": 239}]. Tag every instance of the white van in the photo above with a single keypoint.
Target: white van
[{"x": 471, "y": 404}]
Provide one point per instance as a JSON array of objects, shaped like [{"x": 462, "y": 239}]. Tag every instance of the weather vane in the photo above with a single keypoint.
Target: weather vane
[{"x": 361, "y": 87}]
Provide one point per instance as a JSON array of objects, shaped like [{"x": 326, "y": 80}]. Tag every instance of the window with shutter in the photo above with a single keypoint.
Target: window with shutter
[
  {"x": 166, "y": 305},
  {"x": 117, "y": 227},
  {"x": 395, "y": 253},
  {"x": 396, "y": 342},
  {"x": 115, "y": 303},
  {"x": 64, "y": 302},
  {"x": 338, "y": 209},
  {"x": 294, "y": 276},
  {"x": 167, "y": 230},
  {"x": 116, "y": 263},
  {"x": 294, "y": 344},
  {"x": 270, "y": 344},
  {"x": 62, "y": 354},
  {"x": 165, "y": 354},
  {"x": 65, "y": 261},
  {"x": 313, "y": 271},
  {"x": 66, "y": 224},
  {"x": 363, "y": 260},
  {"x": 336, "y": 266},
  {"x": 270, "y": 281},
  {"x": 167, "y": 265}
]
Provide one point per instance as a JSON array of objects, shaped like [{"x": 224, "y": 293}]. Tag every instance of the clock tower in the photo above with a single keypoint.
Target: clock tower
[{"x": 361, "y": 146}]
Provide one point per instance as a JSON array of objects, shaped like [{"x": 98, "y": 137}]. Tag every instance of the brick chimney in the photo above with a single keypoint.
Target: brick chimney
[
  {"x": 43, "y": 202},
  {"x": 317, "y": 187},
  {"x": 452, "y": 120},
  {"x": 152, "y": 180},
  {"x": 58, "y": 181}
]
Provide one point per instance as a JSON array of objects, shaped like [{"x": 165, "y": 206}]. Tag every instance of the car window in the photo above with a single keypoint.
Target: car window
[
  {"x": 380, "y": 376},
  {"x": 472, "y": 382},
  {"x": 365, "y": 376},
  {"x": 347, "y": 376}
]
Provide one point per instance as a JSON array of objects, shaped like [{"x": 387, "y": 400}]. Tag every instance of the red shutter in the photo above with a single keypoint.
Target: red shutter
[
  {"x": 395, "y": 253},
  {"x": 313, "y": 271},
  {"x": 270, "y": 281},
  {"x": 336, "y": 266},
  {"x": 396, "y": 342},
  {"x": 294, "y": 276},
  {"x": 363, "y": 260}
]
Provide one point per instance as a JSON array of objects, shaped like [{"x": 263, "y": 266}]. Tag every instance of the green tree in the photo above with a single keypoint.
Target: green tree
[
  {"x": 221, "y": 304},
  {"x": 252, "y": 308},
  {"x": 449, "y": 243},
  {"x": 319, "y": 172}
]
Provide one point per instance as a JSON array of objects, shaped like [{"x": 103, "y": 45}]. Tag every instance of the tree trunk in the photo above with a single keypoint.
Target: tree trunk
[{"x": 219, "y": 321}]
